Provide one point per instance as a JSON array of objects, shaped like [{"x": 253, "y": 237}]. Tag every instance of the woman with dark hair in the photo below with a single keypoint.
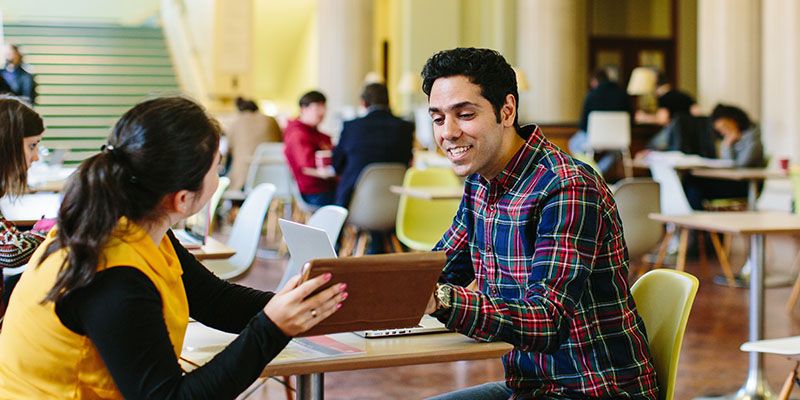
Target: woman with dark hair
[
  {"x": 21, "y": 129},
  {"x": 741, "y": 138},
  {"x": 741, "y": 143},
  {"x": 103, "y": 310}
]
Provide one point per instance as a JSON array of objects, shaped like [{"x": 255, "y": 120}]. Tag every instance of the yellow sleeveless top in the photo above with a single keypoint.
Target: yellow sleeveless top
[{"x": 42, "y": 359}]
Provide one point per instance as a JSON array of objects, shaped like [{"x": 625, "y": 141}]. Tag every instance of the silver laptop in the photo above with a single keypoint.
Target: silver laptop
[
  {"x": 308, "y": 243},
  {"x": 427, "y": 324},
  {"x": 197, "y": 229}
]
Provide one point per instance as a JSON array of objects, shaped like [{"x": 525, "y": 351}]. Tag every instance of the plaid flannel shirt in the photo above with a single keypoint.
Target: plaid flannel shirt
[{"x": 544, "y": 241}]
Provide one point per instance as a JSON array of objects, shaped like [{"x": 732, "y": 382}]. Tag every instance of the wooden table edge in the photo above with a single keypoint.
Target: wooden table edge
[{"x": 358, "y": 362}]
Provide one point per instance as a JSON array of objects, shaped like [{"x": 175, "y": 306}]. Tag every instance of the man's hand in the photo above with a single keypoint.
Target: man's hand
[{"x": 432, "y": 306}]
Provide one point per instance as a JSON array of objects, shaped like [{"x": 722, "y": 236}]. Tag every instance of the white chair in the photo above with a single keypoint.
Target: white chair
[
  {"x": 373, "y": 207},
  {"x": 245, "y": 234},
  {"x": 637, "y": 198},
  {"x": 269, "y": 165},
  {"x": 674, "y": 202},
  {"x": 328, "y": 218},
  {"x": 610, "y": 131}
]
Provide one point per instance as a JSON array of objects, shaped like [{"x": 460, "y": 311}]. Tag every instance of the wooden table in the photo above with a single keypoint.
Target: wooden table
[
  {"x": 752, "y": 175},
  {"x": 430, "y": 192},
  {"x": 378, "y": 353},
  {"x": 213, "y": 250},
  {"x": 322, "y": 173},
  {"x": 757, "y": 225}
]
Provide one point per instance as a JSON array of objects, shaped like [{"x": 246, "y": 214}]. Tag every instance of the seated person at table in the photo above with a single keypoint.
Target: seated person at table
[
  {"x": 21, "y": 130},
  {"x": 741, "y": 143},
  {"x": 246, "y": 132},
  {"x": 302, "y": 140},
  {"x": 604, "y": 95},
  {"x": 378, "y": 137},
  {"x": 102, "y": 311},
  {"x": 541, "y": 235}
]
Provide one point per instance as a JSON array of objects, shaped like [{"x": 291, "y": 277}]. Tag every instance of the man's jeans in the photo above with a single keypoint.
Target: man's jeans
[{"x": 486, "y": 391}]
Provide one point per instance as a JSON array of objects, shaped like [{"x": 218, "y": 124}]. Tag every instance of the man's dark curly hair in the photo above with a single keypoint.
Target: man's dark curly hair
[{"x": 483, "y": 67}]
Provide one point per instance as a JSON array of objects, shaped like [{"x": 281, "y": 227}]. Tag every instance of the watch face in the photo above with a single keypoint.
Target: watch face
[{"x": 445, "y": 295}]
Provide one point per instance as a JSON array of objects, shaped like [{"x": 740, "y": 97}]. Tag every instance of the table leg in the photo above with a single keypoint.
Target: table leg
[
  {"x": 756, "y": 386},
  {"x": 752, "y": 193},
  {"x": 310, "y": 387}
]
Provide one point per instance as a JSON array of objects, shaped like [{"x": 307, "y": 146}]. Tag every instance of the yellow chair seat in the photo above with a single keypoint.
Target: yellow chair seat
[{"x": 421, "y": 223}]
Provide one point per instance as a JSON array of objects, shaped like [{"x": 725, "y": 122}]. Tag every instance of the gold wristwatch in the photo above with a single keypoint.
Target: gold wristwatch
[{"x": 444, "y": 296}]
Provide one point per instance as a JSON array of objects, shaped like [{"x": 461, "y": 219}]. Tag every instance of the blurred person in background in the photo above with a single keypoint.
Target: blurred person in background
[
  {"x": 247, "y": 130},
  {"x": 19, "y": 81}
]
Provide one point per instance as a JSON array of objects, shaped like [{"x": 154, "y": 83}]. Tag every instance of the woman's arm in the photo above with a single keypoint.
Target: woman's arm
[
  {"x": 121, "y": 313},
  {"x": 213, "y": 301}
]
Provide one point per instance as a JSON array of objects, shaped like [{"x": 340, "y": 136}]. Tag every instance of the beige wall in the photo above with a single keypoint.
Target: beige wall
[{"x": 118, "y": 12}]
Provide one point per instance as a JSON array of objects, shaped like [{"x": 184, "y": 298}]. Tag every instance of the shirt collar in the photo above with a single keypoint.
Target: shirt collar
[{"x": 521, "y": 161}]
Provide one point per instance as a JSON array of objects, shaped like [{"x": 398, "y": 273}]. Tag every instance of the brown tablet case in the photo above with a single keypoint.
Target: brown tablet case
[{"x": 384, "y": 291}]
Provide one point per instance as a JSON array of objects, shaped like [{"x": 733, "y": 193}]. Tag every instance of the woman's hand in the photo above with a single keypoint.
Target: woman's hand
[{"x": 294, "y": 315}]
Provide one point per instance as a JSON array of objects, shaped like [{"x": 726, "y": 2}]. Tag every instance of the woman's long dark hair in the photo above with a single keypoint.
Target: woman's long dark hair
[
  {"x": 17, "y": 121},
  {"x": 158, "y": 147}
]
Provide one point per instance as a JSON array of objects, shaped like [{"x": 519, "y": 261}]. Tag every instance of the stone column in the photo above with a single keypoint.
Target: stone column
[
  {"x": 780, "y": 95},
  {"x": 729, "y": 54},
  {"x": 344, "y": 56},
  {"x": 551, "y": 51}
]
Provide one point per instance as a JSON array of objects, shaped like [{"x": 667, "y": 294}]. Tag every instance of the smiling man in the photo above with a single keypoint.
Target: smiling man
[{"x": 540, "y": 233}]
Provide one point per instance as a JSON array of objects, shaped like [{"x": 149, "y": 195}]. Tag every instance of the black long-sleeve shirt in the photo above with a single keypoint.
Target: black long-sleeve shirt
[{"x": 121, "y": 313}]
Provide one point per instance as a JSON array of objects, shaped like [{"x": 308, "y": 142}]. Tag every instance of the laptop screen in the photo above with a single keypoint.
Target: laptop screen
[{"x": 198, "y": 225}]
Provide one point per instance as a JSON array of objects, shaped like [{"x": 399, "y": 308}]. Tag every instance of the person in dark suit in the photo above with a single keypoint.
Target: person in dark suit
[
  {"x": 377, "y": 137},
  {"x": 604, "y": 95}
]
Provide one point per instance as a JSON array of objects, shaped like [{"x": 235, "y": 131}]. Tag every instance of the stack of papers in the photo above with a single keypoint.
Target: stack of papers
[
  {"x": 678, "y": 159},
  {"x": 202, "y": 343}
]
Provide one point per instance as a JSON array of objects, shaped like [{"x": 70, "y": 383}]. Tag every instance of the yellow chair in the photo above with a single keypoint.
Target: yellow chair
[
  {"x": 421, "y": 223},
  {"x": 664, "y": 299},
  {"x": 588, "y": 160}
]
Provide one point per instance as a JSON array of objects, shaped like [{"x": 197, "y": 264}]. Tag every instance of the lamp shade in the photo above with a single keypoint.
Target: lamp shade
[
  {"x": 373, "y": 77},
  {"x": 410, "y": 83},
  {"x": 522, "y": 80},
  {"x": 643, "y": 81}
]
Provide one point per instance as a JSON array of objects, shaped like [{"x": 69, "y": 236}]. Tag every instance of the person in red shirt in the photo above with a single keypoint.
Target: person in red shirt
[{"x": 302, "y": 140}]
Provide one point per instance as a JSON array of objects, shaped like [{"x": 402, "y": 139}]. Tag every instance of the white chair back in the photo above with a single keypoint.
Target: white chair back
[
  {"x": 245, "y": 234},
  {"x": 374, "y": 207},
  {"x": 673, "y": 198},
  {"x": 609, "y": 130},
  {"x": 328, "y": 218},
  {"x": 269, "y": 165},
  {"x": 298, "y": 198},
  {"x": 637, "y": 198}
]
